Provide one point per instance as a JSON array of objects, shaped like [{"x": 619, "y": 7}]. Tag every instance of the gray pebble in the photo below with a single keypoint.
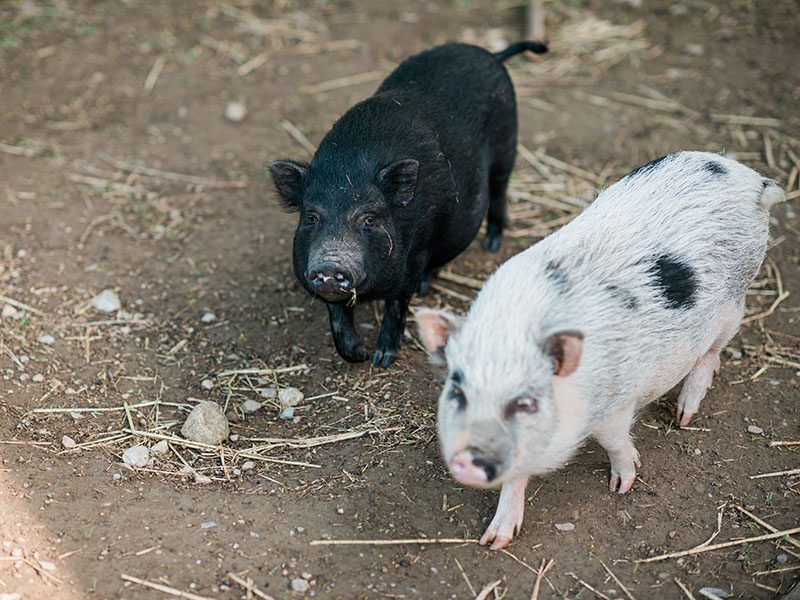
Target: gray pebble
[
  {"x": 300, "y": 585},
  {"x": 290, "y": 396},
  {"x": 107, "y": 301},
  {"x": 565, "y": 526},
  {"x": 755, "y": 430},
  {"x": 250, "y": 406},
  {"x": 206, "y": 424},
  {"x": 136, "y": 456}
]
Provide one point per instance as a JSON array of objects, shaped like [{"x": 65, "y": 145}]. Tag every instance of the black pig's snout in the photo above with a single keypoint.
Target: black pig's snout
[{"x": 330, "y": 280}]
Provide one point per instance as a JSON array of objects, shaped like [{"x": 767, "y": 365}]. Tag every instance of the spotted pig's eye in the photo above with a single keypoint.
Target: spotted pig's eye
[
  {"x": 457, "y": 394},
  {"x": 523, "y": 404}
]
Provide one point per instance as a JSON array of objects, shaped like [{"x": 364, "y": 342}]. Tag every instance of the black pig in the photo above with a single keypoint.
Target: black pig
[{"x": 400, "y": 185}]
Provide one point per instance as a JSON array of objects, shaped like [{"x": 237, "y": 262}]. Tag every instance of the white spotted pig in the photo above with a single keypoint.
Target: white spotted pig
[{"x": 570, "y": 338}]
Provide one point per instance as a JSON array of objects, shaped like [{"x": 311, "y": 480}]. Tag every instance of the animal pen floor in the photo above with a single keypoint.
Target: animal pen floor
[{"x": 119, "y": 170}]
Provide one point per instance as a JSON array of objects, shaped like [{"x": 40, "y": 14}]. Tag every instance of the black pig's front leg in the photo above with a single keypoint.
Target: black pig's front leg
[
  {"x": 345, "y": 338},
  {"x": 392, "y": 328}
]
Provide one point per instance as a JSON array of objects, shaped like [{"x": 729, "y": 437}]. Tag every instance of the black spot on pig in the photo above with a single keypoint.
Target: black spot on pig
[
  {"x": 676, "y": 280},
  {"x": 457, "y": 377},
  {"x": 627, "y": 299},
  {"x": 556, "y": 274},
  {"x": 715, "y": 168},
  {"x": 647, "y": 168}
]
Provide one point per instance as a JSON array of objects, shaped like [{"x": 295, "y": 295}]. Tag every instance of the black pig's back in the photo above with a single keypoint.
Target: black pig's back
[{"x": 468, "y": 99}]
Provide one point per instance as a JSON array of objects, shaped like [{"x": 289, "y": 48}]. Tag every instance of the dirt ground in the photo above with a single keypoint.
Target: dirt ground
[{"x": 92, "y": 92}]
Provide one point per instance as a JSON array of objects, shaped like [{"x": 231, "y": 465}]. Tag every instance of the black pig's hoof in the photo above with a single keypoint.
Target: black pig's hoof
[
  {"x": 356, "y": 354},
  {"x": 492, "y": 241},
  {"x": 383, "y": 358}
]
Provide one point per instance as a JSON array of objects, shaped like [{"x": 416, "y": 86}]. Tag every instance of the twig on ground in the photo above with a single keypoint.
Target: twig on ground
[
  {"x": 776, "y": 474},
  {"x": 487, "y": 589},
  {"x": 210, "y": 182},
  {"x": 298, "y": 136},
  {"x": 154, "y": 74},
  {"x": 20, "y": 305},
  {"x": 699, "y": 550},
  {"x": 464, "y": 575},
  {"x": 163, "y": 588},
  {"x": 745, "y": 120},
  {"x": 619, "y": 583},
  {"x": 765, "y": 525},
  {"x": 543, "y": 569},
  {"x": 262, "y": 372},
  {"x": 402, "y": 542},
  {"x": 249, "y": 586},
  {"x": 588, "y": 587},
  {"x": 340, "y": 82},
  {"x": 684, "y": 589}
]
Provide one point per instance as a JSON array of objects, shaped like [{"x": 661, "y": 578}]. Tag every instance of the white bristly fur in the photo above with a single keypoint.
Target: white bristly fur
[{"x": 596, "y": 276}]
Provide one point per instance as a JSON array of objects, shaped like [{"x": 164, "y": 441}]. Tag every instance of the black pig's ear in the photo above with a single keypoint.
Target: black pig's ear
[
  {"x": 398, "y": 181},
  {"x": 289, "y": 177}
]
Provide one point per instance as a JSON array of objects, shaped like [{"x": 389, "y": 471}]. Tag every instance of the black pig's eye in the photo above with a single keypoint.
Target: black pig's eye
[
  {"x": 312, "y": 219},
  {"x": 523, "y": 404},
  {"x": 370, "y": 220}
]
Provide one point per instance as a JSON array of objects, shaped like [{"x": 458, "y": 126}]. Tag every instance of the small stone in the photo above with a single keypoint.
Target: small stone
[
  {"x": 107, "y": 301},
  {"x": 234, "y": 437},
  {"x": 565, "y": 526},
  {"x": 782, "y": 559},
  {"x": 712, "y": 592},
  {"x": 37, "y": 378},
  {"x": 201, "y": 479},
  {"x": 206, "y": 424},
  {"x": 695, "y": 49},
  {"x": 47, "y": 565},
  {"x": 340, "y": 511},
  {"x": 232, "y": 416},
  {"x": 250, "y": 406},
  {"x": 9, "y": 312},
  {"x": 117, "y": 476},
  {"x": 697, "y": 452},
  {"x": 755, "y": 430},
  {"x": 287, "y": 414},
  {"x": 248, "y": 465},
  {"x": 208, "y": 525},
  {"x": 136, "y": 456},
  {"x": 208, "y": 317},
  {"x": 290, "y": 396},
  {"x": 268, "y": 393},
  {"x": 300, "y": 585},
  {"x": 235, "y": 111},
  {"x": 10, "y": 596},
  {"x": 46, "y": 339},
  {"x": 207, "y": 384},
  {"x": 306, "y": 576},
  {"x": 67, "y": 442},
  {"x": 159, "y": 448}
]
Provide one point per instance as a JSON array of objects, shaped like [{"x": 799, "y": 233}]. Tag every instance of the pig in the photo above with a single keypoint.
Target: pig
[
  {"x": 570, "y": 338},
  {"x": 400, "y": 185}
]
